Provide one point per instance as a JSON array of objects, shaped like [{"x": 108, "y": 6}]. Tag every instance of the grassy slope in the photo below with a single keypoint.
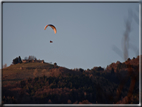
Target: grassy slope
[
  {"x": 14, "y": 74},
  {"x": 22, "y": 71}
]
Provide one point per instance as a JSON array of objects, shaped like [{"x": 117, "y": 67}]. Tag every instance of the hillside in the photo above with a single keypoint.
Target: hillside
[
  {"x": 35, "y": 82},
  {"x": 17, "y": 72},
  {"x": 20, "y": 71}
]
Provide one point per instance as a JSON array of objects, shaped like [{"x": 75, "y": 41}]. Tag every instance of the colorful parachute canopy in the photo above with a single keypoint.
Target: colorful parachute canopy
[
  {"x": 51, "y": 41},
  {"x": 52, "y": 26}
]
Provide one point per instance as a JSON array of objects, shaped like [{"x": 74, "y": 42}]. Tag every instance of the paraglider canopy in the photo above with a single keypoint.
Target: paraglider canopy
[
  {"x": 51, "y": 41},
  {"x": 52, "y": 26}
]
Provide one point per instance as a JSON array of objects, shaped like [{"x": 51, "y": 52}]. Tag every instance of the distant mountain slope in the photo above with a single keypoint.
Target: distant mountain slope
[{"x": 35, "y": 82}]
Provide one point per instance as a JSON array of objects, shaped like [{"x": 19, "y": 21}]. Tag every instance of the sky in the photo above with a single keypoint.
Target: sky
[{"x": 86, "y": 32}]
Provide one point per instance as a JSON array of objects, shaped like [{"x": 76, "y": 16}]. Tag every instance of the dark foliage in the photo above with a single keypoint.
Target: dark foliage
[{"x": 17, "y": 60}]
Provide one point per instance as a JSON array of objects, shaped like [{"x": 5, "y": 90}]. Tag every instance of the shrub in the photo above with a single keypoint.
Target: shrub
[{"x": 55, "y": 65}]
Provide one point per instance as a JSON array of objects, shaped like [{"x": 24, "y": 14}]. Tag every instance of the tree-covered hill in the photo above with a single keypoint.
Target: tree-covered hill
[{"x": 38, "y": 83}]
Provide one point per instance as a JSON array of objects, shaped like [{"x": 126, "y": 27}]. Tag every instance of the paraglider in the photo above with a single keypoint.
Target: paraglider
[
  {"x": 51, "y": 41},
  {"x": 52, "y": 26}
]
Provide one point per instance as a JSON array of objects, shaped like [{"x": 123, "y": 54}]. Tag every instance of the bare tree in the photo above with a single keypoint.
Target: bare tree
[
  {"x": 31, "y": 58},
  {"x": 5, "y": 65},
  {"x": 26, "y": 58}
]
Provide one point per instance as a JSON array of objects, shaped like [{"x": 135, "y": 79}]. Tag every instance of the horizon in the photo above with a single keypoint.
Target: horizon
[{"x": 70, "y": 68}]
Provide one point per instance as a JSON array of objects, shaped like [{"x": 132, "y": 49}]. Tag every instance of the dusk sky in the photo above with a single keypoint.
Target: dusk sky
[{"x": 86, "y": 32}]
